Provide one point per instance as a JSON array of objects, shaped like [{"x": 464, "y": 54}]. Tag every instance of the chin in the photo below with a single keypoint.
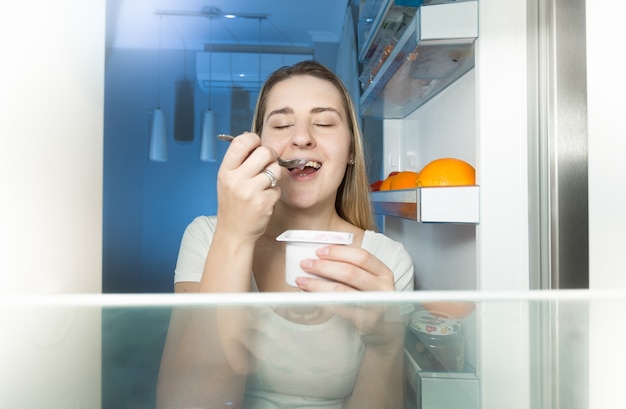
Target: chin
[{"x": 302, "y": 200}]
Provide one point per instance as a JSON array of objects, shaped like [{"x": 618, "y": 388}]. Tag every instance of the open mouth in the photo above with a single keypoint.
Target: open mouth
[{"x": 309, "y": 168}]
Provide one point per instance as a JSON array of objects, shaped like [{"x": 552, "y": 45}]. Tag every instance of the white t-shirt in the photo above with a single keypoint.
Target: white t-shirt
[
  {"x": 199, "y": 234},
  {"x": 299, "y": 366}
]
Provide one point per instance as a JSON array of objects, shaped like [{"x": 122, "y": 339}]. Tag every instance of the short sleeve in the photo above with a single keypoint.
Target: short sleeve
[
  {"x": 193, "y": 250},
  {"x": 394, "y": 256}
]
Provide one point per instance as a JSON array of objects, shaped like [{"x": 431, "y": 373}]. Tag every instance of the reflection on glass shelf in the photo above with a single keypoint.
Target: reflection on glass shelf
[{"x": 509, "y": 350}]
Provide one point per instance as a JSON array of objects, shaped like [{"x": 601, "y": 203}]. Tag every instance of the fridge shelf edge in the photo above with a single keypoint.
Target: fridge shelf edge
[{"x": 446, "y": 204}]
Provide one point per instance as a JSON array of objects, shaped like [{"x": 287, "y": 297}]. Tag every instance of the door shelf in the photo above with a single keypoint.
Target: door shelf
[
  {"x": 447, "y": 204},
  {"x": 434, "y": 389},
  {"x": 381, "y": 20},
  {"x": 435, "y": 48}
]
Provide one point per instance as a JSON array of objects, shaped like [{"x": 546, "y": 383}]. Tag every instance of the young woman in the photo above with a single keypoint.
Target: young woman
[{"x": 300, "y": 356}]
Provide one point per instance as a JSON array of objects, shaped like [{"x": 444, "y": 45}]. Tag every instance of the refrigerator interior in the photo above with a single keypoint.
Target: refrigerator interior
[
  {"x": 444, "y": 254},
  {"x": 422, "y": 85},
  {"x": 481, "y": 117}
]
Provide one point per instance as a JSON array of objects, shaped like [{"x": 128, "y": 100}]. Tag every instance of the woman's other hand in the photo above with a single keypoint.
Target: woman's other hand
[
  {"x": 346, "y": 268},
  {"x": 355, "y": 269}
]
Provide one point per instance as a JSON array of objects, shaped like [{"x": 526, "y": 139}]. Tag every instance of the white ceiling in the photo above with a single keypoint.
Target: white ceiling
[{"x": 135, "y": 23}]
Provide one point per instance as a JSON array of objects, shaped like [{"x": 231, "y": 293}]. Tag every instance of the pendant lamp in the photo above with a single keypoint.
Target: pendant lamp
[
  {"x": 208, "y": 141},
  {"x": 158, "y": 133},
  {"x": 158, "y": 137},
  {"x": 184, "y": 115},
  {"x": 208, "y": 145},
  {"x": 184, "y": 111}
]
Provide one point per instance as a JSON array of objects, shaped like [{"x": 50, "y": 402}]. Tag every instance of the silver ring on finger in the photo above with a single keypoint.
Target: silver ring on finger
[{"x": 271, "y": 177}]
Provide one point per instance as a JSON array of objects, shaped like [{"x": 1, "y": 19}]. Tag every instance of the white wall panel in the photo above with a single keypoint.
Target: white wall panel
[
  {"x": 51, "y": 127},
  {"x": 606, "y": 85}
]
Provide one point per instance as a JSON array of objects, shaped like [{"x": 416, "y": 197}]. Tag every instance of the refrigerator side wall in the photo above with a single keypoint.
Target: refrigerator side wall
[{"x": 444, "y": 254}]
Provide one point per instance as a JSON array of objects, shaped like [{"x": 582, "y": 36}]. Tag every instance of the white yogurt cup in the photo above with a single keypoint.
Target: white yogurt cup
[{"x": 302, "y": 244}]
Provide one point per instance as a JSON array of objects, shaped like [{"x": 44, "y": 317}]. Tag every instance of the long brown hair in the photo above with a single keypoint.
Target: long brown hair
[{"x": 353, "y": 195}]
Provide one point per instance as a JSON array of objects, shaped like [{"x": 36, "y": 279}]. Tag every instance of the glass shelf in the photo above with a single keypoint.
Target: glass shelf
[
  {"x": 529, "y": 348},
  {"x": 449, "y": 204},
  {"x": 434, "y": 48}
]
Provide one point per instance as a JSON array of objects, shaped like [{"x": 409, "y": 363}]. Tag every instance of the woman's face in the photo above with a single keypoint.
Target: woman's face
[{"x": 305, "y": 118}]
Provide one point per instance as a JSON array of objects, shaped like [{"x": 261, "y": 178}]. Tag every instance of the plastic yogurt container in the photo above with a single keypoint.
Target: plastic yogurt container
[
  {"x": 302, "y": 244},
  {"x": 441, "y": 343}
]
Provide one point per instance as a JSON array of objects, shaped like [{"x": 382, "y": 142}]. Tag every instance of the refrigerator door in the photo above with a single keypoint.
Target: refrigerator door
[{"x": 558, "y": 194}]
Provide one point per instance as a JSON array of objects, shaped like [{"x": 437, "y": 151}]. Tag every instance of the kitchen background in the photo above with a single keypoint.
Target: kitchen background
[{"x": 151, "y": 52}]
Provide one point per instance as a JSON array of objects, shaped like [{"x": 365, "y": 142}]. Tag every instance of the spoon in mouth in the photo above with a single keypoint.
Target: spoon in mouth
[{"x": 289, "y": 164}]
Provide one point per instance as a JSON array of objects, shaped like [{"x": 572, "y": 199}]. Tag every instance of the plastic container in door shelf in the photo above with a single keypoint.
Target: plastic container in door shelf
[{"x": 440, "y": 341}]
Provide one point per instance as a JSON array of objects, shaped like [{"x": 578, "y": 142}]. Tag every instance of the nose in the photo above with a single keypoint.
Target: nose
[{"x": 302, "y": 137}]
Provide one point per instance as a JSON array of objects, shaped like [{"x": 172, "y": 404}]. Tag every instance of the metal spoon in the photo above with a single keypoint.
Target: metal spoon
[{"x": 290, "y": 164}]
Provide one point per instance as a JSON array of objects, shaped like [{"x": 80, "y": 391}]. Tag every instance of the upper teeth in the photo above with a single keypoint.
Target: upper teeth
[{"x": 313, "y": 164}]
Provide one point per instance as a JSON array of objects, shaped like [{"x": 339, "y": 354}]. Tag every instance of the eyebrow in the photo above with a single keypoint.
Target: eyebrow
[
  {"x": 325, "y": 109},
  {"x": 317, "y": 110},
  {"x": 285, "y": 110}
]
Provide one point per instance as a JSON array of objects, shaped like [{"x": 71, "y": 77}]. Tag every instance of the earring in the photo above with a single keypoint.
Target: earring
[{"x": 351, "y": 162}]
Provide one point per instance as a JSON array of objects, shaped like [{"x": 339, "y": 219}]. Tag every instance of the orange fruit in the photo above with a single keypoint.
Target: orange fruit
[
  {"x": 386, "y": 184},
  {"x": 404, "y": 180},
  {"x": 447, "y": 172}
]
